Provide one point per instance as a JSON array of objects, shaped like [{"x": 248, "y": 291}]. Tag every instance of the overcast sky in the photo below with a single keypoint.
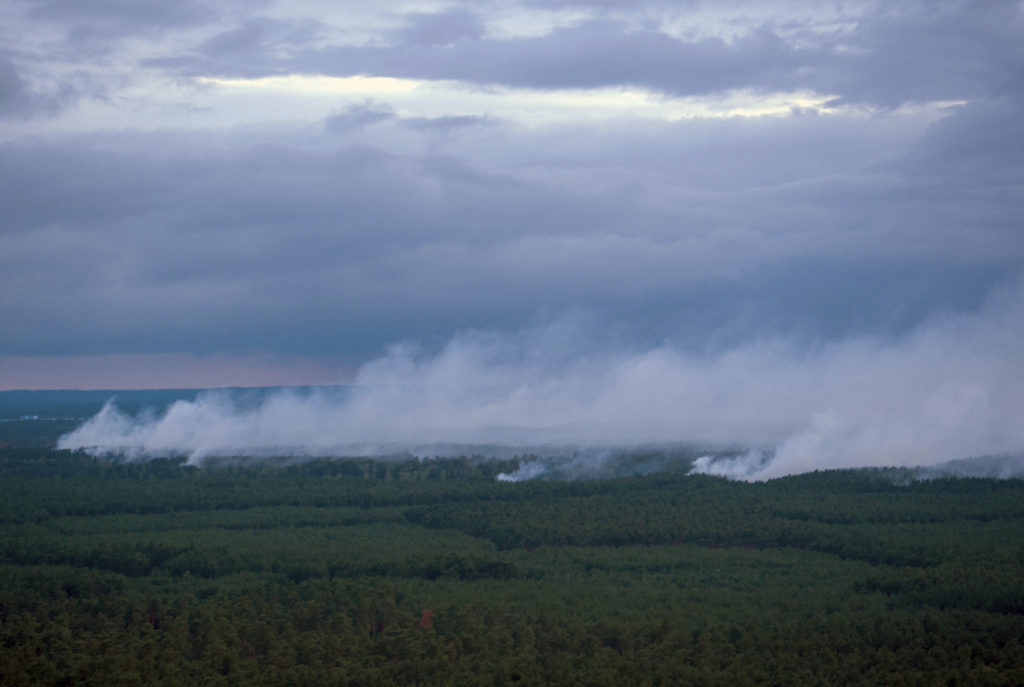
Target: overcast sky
[{"x": 201, "y": 193}]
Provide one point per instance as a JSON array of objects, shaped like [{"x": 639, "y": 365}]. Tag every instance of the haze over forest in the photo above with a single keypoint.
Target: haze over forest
[{"x": 793, "y": 228}]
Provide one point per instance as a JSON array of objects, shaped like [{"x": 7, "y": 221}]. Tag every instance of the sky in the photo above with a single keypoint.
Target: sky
[{"x": 205, "y": 194}]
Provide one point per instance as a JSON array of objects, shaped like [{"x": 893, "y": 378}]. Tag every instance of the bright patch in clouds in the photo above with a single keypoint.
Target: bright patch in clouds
[
  {"x": 422, "y": 98},
  {"x": 318, "y": 85}
]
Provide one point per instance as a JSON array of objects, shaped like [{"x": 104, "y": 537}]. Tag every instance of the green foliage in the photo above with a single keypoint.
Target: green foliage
[{"x": 402, "y": 572}]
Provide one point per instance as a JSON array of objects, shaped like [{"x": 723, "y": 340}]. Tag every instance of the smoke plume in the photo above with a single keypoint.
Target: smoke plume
[{"x": 949, "y": 390}]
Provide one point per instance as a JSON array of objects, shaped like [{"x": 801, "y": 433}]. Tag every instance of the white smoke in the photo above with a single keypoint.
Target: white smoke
[{"x": 950, "y": 389}]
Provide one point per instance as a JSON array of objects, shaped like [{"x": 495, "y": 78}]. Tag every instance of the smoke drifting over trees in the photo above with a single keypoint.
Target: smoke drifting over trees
[{"x": 948, "y": 390}]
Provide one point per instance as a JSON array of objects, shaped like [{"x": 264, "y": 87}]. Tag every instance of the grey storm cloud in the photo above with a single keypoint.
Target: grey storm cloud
[
  {"x": 885, "y": 55},
  {"x": 85, "y": 22},
  {"x": 12, "y": 88},
  {"x": 930, "y": 51},
  {"x": 358, "y": 116},
  {"x": 895, "y": 53},
  {"x": 20, "y": 98},
  {"x": 443, "y": 28},
  {"x": 214, "y": 244},
  {"x": 587, "y": 56},
  {"x": 914, "y": 52}
]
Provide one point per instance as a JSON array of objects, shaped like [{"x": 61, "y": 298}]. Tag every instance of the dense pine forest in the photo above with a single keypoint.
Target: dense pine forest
[{"x": 380, "y": 572}]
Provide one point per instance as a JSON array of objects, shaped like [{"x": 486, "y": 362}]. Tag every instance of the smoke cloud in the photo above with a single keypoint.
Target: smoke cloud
[{"x": 951, "y": 389}]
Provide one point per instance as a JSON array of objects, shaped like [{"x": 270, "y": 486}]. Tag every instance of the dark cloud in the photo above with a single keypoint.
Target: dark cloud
[
  {"x": 978, "y": 145},
  {"x": 359, "y": 116},
  {"x": 168, "y": 243},
  {"x": 923, "y": 51},
  {"x": 128, "y": 12},
  {"x": 242, "y": 41},
  {"x": 19, "y": 99},
  {"x": 253, "y": 47},
  {"x": 443, "y": 28},
  {"x": 122, "y": 17},
  {"x": 595, "y": 54},
  {"x": 13, "y": 95},
  {"x": 449, "y": 123},
  {"x": 258, "y": 35},
  {"x": 892, "y": 54}
]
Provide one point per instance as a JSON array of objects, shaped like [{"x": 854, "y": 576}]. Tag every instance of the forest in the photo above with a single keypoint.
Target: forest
[{"x": 381, "y": 572}]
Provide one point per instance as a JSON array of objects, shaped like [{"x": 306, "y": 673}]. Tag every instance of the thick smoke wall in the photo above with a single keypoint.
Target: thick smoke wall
[{"x": 949, "y": 390}]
